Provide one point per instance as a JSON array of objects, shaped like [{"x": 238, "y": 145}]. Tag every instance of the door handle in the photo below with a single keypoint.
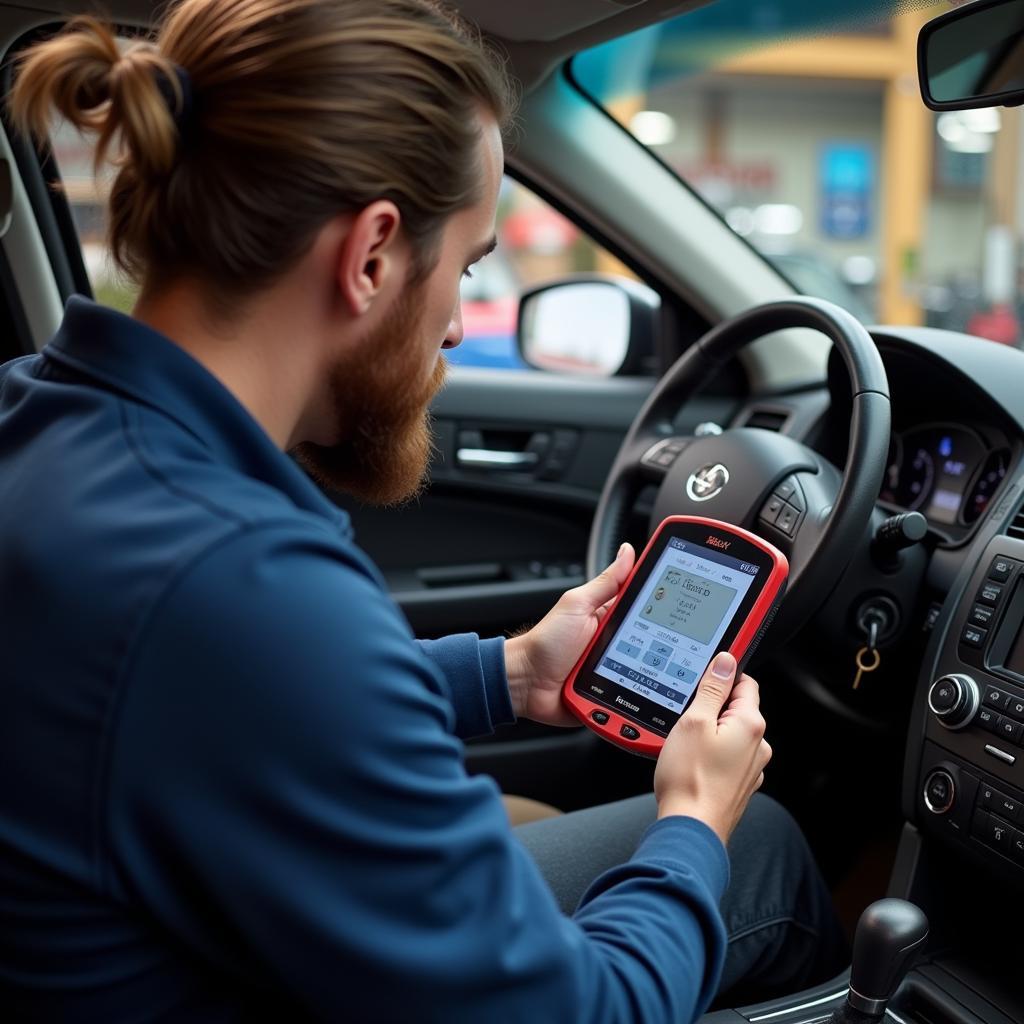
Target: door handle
[{"x": 487, "y": 458}]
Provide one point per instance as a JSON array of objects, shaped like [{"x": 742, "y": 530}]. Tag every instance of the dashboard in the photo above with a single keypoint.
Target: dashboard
[
  {"x": 945, "y": 471},
  {"x": 955, "y": 437}
]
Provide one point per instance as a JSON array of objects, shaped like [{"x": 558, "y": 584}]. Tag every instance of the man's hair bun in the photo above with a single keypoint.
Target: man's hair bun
[{"x": 97, "y": 86}]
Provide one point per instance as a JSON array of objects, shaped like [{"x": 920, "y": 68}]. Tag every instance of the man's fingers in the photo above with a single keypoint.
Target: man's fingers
[
  {"x": 746, "y": 693},
  {"x": 715, "y": 686}
]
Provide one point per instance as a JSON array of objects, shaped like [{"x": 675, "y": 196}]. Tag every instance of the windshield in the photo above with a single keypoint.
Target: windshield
[{"x": 802, "y": 125}]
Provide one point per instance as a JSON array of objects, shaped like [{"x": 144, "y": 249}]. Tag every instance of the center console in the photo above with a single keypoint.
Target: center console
[{"x": 969, "y": 763}]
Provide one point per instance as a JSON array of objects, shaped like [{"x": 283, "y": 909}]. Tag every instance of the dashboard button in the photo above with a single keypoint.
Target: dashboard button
[
  {"x": 772, "y": 507},
  {"x": 988, "y": 719},
  {"x": 1009, "y": 730},
  {"x": 981, "y": 614},
  {"x": 1006, "y": 807},
  {"x": 1000, "y": 755},
  {"x": 995, "y": 697},
  {"x": 1015, "y": 708},
  {"x": 999, "y": 834},
  {"x": 601, "y": 717},
  {"x": 1000, "y": 569},
  {"x": 629, "y": 732},
  {"x": 788, "y": 517},
  {"x": 1017, "y": 847},
  {"x": 939, "y": 792},
  {"x": 944, "y": 696},
  {"x": 990, "y": 593},
  {"x": 973, "y": 636}
]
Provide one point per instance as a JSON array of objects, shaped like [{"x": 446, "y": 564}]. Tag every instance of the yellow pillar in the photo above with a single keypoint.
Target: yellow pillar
[{"x": 905, "y": 181}]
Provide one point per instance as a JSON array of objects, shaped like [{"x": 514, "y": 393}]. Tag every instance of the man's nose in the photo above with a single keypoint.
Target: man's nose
[{"x": 454, "y": 335}]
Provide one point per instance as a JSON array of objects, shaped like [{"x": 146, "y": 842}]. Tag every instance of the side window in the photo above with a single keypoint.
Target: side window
[
  {"x": 86, "y": 193},
  {"x": 536, "y": 244}
]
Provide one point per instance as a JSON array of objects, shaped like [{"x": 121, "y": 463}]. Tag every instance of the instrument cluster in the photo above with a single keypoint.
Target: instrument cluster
[{"x": 945, "y": 471}]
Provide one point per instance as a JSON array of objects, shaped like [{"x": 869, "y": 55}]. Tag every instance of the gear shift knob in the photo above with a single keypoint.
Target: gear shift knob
[{"x": 889, "y": 933}]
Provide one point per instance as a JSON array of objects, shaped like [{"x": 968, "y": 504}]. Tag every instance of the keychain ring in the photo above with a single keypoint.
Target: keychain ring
[{"x": 873, "y": 665}]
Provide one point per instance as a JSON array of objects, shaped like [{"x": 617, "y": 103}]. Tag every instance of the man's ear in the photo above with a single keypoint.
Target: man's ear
[{"x": 369, "y": 255}]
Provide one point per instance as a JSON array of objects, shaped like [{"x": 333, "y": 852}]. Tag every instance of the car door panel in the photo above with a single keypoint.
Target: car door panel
[{"x": 490, "y": 550}]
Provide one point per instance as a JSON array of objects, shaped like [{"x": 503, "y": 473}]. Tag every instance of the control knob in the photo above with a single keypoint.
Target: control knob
[{"x": 954, "y": 700}]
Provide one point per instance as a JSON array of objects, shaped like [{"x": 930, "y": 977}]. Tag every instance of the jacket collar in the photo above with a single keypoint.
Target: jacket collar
[{"x": 126, "y": 356}]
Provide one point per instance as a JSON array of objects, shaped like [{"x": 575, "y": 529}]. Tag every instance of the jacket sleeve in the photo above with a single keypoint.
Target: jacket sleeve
[
  {"x": 285, "y": 795},
  {"x": 474, "y": 670}
]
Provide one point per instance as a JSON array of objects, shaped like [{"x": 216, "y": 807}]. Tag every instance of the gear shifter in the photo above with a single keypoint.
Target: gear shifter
[{"x": 889, "y": 933}]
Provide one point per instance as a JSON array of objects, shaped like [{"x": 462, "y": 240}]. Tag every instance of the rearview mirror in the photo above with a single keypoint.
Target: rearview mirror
[
  {"x": 973, "y": 56},
  {"x": 595, "y": 324}
]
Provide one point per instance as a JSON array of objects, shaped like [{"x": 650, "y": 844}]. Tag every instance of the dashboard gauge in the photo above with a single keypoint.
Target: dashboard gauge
[
  {"x": 893, "y": 466},
  {"x": 916, "y": 479},
  {"x": 991, "y": 476}
]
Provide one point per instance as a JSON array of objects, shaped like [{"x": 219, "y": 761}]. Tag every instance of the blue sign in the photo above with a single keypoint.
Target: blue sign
[{"x": 847, "y": 189}]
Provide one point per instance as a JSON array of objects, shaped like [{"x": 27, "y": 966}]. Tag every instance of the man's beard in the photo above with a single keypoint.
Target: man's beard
[{"x": 381, "y": 412}]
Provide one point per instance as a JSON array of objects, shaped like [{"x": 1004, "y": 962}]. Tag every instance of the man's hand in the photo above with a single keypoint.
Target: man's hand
[
  {"x": 714, "y": 758},
  {"x": 538, "y": 661}
]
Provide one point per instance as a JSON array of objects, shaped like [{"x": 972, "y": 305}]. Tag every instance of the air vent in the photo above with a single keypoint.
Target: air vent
[
  {"x": 767, "y": 419},
  {"x": 1016, "y": 527}
]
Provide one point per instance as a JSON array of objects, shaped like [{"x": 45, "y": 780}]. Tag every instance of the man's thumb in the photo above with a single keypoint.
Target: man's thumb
[
  {"x": 716, "y": 684},
  {"x": 605, "y": 585}
]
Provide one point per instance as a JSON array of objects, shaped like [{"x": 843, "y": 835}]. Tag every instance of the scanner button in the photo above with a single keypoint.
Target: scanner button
[
  {"x": 601, "y": 717},
  {"x": 629, "y": 732}
]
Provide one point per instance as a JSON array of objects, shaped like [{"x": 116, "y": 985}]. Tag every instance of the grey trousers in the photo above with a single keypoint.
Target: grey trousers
[{"x": 782, "y": 928}]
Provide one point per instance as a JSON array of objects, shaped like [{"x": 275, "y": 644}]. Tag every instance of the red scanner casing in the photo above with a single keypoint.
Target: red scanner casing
[{"x": 743, "y": 645}]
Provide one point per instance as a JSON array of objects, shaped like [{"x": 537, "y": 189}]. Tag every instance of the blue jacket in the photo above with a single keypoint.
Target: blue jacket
[{"x": 231, "y": 783}]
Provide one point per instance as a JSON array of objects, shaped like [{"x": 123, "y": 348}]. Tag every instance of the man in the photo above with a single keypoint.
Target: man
[{"x": 233, "y": 784}]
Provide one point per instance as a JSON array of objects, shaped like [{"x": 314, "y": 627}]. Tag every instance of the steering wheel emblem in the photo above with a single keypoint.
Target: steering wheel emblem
[{"x": 707, "y": 482}]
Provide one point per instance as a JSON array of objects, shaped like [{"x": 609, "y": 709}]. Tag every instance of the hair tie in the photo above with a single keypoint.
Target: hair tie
[{"x": 182, "y": 109}]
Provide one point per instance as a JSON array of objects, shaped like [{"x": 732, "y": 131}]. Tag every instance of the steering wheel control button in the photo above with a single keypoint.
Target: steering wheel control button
[
  {"x": 772, "y": 507},
  {"x": 973, "y": 636},
  {"x": 601, "y": 717},
  {"x": 787, "y": 519},
  {"x": 990, "y": 593},
  {"x": 939, "y": 792},
  {"x": 954, "y": 700},
  {"x": 629, "y": 732},
  {"x": 981, "y": 615},
  {"x": 1000, "y": 755},
  {"x": 663, "y": 453},
  {"x": 796, "y": 499},
  {"x": 1000, "y": 569},
  {"x": 786, "y": 489}
]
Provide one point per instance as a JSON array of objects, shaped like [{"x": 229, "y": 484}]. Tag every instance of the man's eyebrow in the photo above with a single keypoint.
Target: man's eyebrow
[{"x": 485, "y": 249}]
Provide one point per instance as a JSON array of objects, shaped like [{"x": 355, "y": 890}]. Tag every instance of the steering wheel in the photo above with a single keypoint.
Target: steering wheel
[{"x": 754, "y": 478}]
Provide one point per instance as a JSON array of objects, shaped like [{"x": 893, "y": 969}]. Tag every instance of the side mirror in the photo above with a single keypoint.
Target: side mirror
[
  {"x": 973, "y": 56},
  {"x": 594, "y": 324}
]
